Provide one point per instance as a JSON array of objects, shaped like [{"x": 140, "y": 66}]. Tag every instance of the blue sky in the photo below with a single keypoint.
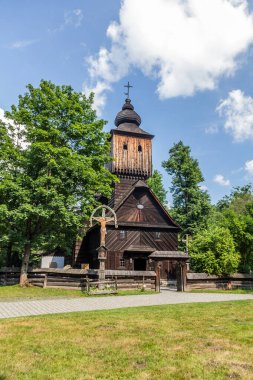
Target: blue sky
[{"x": 190, "y": 64}]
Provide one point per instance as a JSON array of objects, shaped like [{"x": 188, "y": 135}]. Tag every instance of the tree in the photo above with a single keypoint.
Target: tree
[
  {"x": 213, "y": 251},
  {"x": 156, "y": 185},
  {"x": 9, "y": 163},
  {"x": 237, "y": 212},
  {"x": 191, "y": 205},
  {"x": 237, "y": 200},
  {"x": 58, "y": 172}
]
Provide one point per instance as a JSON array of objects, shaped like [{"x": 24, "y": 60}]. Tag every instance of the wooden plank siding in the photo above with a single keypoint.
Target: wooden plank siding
[
  {"x": 131, "y": 160},
  {"x": 150, "y": 214},
  {"x": 117, "y": 247},
  {"x": 120, "y": 190},
  {"x": 145, "y": 230}
]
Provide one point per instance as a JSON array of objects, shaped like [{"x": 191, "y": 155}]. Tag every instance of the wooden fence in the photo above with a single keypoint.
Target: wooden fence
[
  {"x": 81, "y": 279},
  {"x": 205, "y": 281}
]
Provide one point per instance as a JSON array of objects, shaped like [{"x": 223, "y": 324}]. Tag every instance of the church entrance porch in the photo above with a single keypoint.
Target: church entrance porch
[
  {"x": 140, "y": 264},
  {"x": 138, "y": 257},
  {"x": 179, "y": 259}
]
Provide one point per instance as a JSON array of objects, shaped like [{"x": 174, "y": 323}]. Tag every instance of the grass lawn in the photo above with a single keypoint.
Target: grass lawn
[
  {"x": 234, "y": 291},
  {"x": 15, "y": 292},
  {"x": 192, "y": 341}
]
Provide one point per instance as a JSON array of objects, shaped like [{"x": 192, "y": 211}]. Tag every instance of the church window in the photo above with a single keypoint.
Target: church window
[
  {"x": 122, "y": 262},
  {"x": 122, "y": 235},
  {"x": 125, "y": 146},
  {"x": 157, "y": 235},
  {"x": 139, "y": 148}
]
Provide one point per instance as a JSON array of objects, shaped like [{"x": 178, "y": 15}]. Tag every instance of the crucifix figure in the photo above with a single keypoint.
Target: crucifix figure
[
  {"x": 128, "y": 86},
  {"x": 103, "y": 220}
]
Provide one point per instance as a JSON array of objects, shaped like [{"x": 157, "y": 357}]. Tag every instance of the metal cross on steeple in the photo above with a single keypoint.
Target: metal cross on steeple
[{"x": 128, "y": 86}]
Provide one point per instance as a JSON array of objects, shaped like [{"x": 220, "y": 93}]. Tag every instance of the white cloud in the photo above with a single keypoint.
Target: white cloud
[
  {"x": 99, "y": 92},
  {"x": 15, "y": 131},
  {"x": 212, "y": 129},
  {"x": 21, "y": 44},
  {"x": 249, "y": 167},
  {"x": 238, "y": 112},
  {"x": 73, "y": 18},
  {"x": 203, "y": 187},
  {"x": 220, "y": 179},
  {"x": 2, "y": 117},
  {"x": 185, "y": 45}
]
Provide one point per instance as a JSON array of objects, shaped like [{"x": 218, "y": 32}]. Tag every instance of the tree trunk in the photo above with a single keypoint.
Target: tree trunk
[{"x": 24, "y": 267}]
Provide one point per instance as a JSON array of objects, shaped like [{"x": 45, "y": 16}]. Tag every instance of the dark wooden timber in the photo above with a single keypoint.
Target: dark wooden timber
[{"x": 146, "y": 232}]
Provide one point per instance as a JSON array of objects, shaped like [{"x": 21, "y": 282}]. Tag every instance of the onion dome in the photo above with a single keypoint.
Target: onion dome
[{"x": 127, "y": 115}]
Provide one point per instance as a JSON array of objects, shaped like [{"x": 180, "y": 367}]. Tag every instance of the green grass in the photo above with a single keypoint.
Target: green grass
[
  {"x": 208, "y": 341},
  {"x": 15, "y": 292},
  {"x": 233, "y": 291}
]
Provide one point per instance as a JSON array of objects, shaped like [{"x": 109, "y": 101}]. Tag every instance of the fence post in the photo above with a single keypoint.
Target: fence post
[
  {"x": 45, "y": 281},
  {"x": 116, "y": 283}
]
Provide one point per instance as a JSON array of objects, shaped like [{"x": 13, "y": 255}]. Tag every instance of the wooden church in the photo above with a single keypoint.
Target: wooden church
[{"x": 146, "y": 236}]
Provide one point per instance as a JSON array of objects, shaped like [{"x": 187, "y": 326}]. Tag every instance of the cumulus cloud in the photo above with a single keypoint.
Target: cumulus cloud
[
  {"x": 249, "y": 167},
  {"x": 185, "y": 45},
  {"x": 220, "y": 180},
  {"x": 237, "y": 109},
  {"x": 15, "y": 131},
  {"x": 2, "y": 117},
  {"x": 99, "y": 92}
]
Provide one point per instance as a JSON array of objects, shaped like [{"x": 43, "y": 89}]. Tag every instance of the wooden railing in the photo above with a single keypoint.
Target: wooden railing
[
  {"x": 81, "y": 279},
  {"x": 205, "y": 281}
]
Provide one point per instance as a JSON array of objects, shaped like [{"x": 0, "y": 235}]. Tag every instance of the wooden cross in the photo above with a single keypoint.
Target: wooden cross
[
  {"x": 103, "y": 220},
  {"x": 186, "y": 241},
  {"x": 128, "y": 86}
]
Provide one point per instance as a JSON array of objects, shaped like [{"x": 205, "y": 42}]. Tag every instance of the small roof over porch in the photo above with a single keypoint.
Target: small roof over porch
[
  {"x": 139, "y": 248},
  {"x": 169, "y": 255}
]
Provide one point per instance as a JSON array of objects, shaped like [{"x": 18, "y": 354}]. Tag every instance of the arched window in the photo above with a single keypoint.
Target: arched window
[
  {"x": 125, "y": 146},
  {"x": 139, "y": 148}
]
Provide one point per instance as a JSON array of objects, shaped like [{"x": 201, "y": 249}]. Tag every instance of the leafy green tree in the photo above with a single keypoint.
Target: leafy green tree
[
  {"x": 237, "y": 212},
  {"x": 156, "y": 185},
  {"x": 191, "y": 204},
  {"x": 58, "y": 172},
  {"x": 237, "y": 200},
  {"x": 9, "y": 166},
  {"x": 213, "y": 251}
]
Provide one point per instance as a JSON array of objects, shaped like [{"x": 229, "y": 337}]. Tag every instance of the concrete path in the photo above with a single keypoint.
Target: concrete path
[{"x": 55, "y": 306}]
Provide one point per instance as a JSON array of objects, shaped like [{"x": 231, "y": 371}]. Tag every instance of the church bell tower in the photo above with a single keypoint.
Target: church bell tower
[
  {"x": 131, "y": 146},
  {"x": 131, "y": 150}
]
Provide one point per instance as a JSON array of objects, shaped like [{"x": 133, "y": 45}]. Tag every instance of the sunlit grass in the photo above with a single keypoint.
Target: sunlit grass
[
  {"x": 233, "y": 291},
  {"x": 211, "y": 341},
  {"x": 15, "y": 292}
]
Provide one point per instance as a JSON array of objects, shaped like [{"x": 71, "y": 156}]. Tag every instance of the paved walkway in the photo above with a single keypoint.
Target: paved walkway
[{"x": 55, "y": 306}]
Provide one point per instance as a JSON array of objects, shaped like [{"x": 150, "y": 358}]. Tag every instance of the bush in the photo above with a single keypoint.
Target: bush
[{"x": 213, "y": 251}]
